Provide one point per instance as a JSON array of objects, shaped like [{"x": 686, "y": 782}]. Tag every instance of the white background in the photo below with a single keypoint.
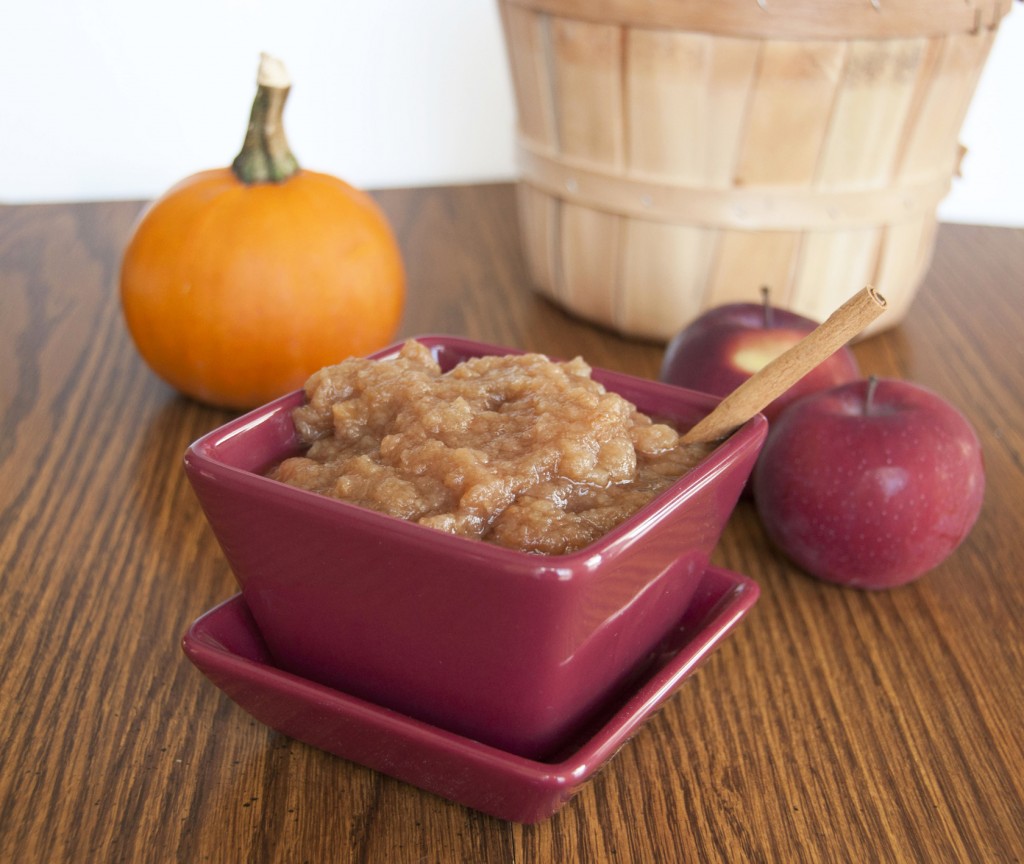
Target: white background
[{"x": 111, "y": 99}]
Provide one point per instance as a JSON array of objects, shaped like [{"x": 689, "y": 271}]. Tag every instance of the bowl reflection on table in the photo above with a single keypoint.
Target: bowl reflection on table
[{"x": 513, "y": 649}]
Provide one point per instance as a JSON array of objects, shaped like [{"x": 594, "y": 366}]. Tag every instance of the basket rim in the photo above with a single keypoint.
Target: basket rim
[{"x": 787, "y": 19}]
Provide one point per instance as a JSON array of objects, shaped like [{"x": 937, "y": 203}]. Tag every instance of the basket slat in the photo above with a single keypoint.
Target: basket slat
[
  {"x": 931, "y": 144},
  {"x": 905, "y": 257},
  {"x": 674, "y": 78},
  {"x": 587, "y": 62},
  {"x": 790, "y": 108},
  {"x": 660, "y": 256},
  {"x": 590, "y": 248},
  {"x": 538, "y": 227},
  {"x": 746, "y": 260},
  {"x": 840, "y": 261},
  {"x": 864, "y": 136},
  {"x": 535, "y": 108}
]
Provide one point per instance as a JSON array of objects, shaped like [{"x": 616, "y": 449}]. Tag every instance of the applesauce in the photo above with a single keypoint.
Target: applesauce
[{"x": 516, "y": 450}]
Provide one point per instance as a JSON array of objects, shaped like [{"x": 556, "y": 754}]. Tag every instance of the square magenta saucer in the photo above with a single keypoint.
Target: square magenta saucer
[{"x": 226, "y": 646}]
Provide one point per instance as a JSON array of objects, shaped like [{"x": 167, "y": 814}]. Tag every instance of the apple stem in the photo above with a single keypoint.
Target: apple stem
[
  {"x": 766, "y": 296},
  {"x": 869, "y": 394}
]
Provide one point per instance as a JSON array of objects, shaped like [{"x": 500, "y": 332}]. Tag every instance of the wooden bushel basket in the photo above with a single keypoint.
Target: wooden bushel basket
[{"x": 679, "y": 154}]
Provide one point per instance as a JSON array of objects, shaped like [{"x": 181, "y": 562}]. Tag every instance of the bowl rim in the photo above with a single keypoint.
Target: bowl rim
[{"x": 199, "y": 458}]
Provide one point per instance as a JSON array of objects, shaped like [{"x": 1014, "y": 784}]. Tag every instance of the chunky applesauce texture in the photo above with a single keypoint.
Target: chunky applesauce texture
[{"x": 516, "y": 450}]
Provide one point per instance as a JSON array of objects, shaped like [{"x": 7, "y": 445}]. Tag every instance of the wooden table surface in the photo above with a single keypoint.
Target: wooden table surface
[{"x": 832, "y": 725}]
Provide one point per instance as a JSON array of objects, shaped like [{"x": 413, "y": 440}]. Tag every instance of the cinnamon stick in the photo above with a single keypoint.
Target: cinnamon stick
[{"x": 789, "y": 367}]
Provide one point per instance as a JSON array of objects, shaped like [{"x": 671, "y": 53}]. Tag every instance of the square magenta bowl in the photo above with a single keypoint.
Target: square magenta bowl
[{"x": 515, "y": 650}]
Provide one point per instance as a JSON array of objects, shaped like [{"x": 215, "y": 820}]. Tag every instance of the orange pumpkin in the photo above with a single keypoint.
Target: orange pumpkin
[{"x": 240, "y": 282}]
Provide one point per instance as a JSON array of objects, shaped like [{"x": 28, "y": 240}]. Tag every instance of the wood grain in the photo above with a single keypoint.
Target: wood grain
[{"x": 834, "y": 725}]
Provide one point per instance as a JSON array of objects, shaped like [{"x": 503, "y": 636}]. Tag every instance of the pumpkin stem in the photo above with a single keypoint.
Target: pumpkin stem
[{"x": 265, "y": 156}]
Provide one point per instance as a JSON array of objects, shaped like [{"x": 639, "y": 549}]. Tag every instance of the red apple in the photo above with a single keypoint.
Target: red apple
[
  {"x": 870, "y": 484},
  {"x": 719, "y": 350}
]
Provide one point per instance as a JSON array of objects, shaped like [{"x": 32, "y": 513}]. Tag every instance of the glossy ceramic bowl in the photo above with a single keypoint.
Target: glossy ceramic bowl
[{"x": 512, "y": 649}]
